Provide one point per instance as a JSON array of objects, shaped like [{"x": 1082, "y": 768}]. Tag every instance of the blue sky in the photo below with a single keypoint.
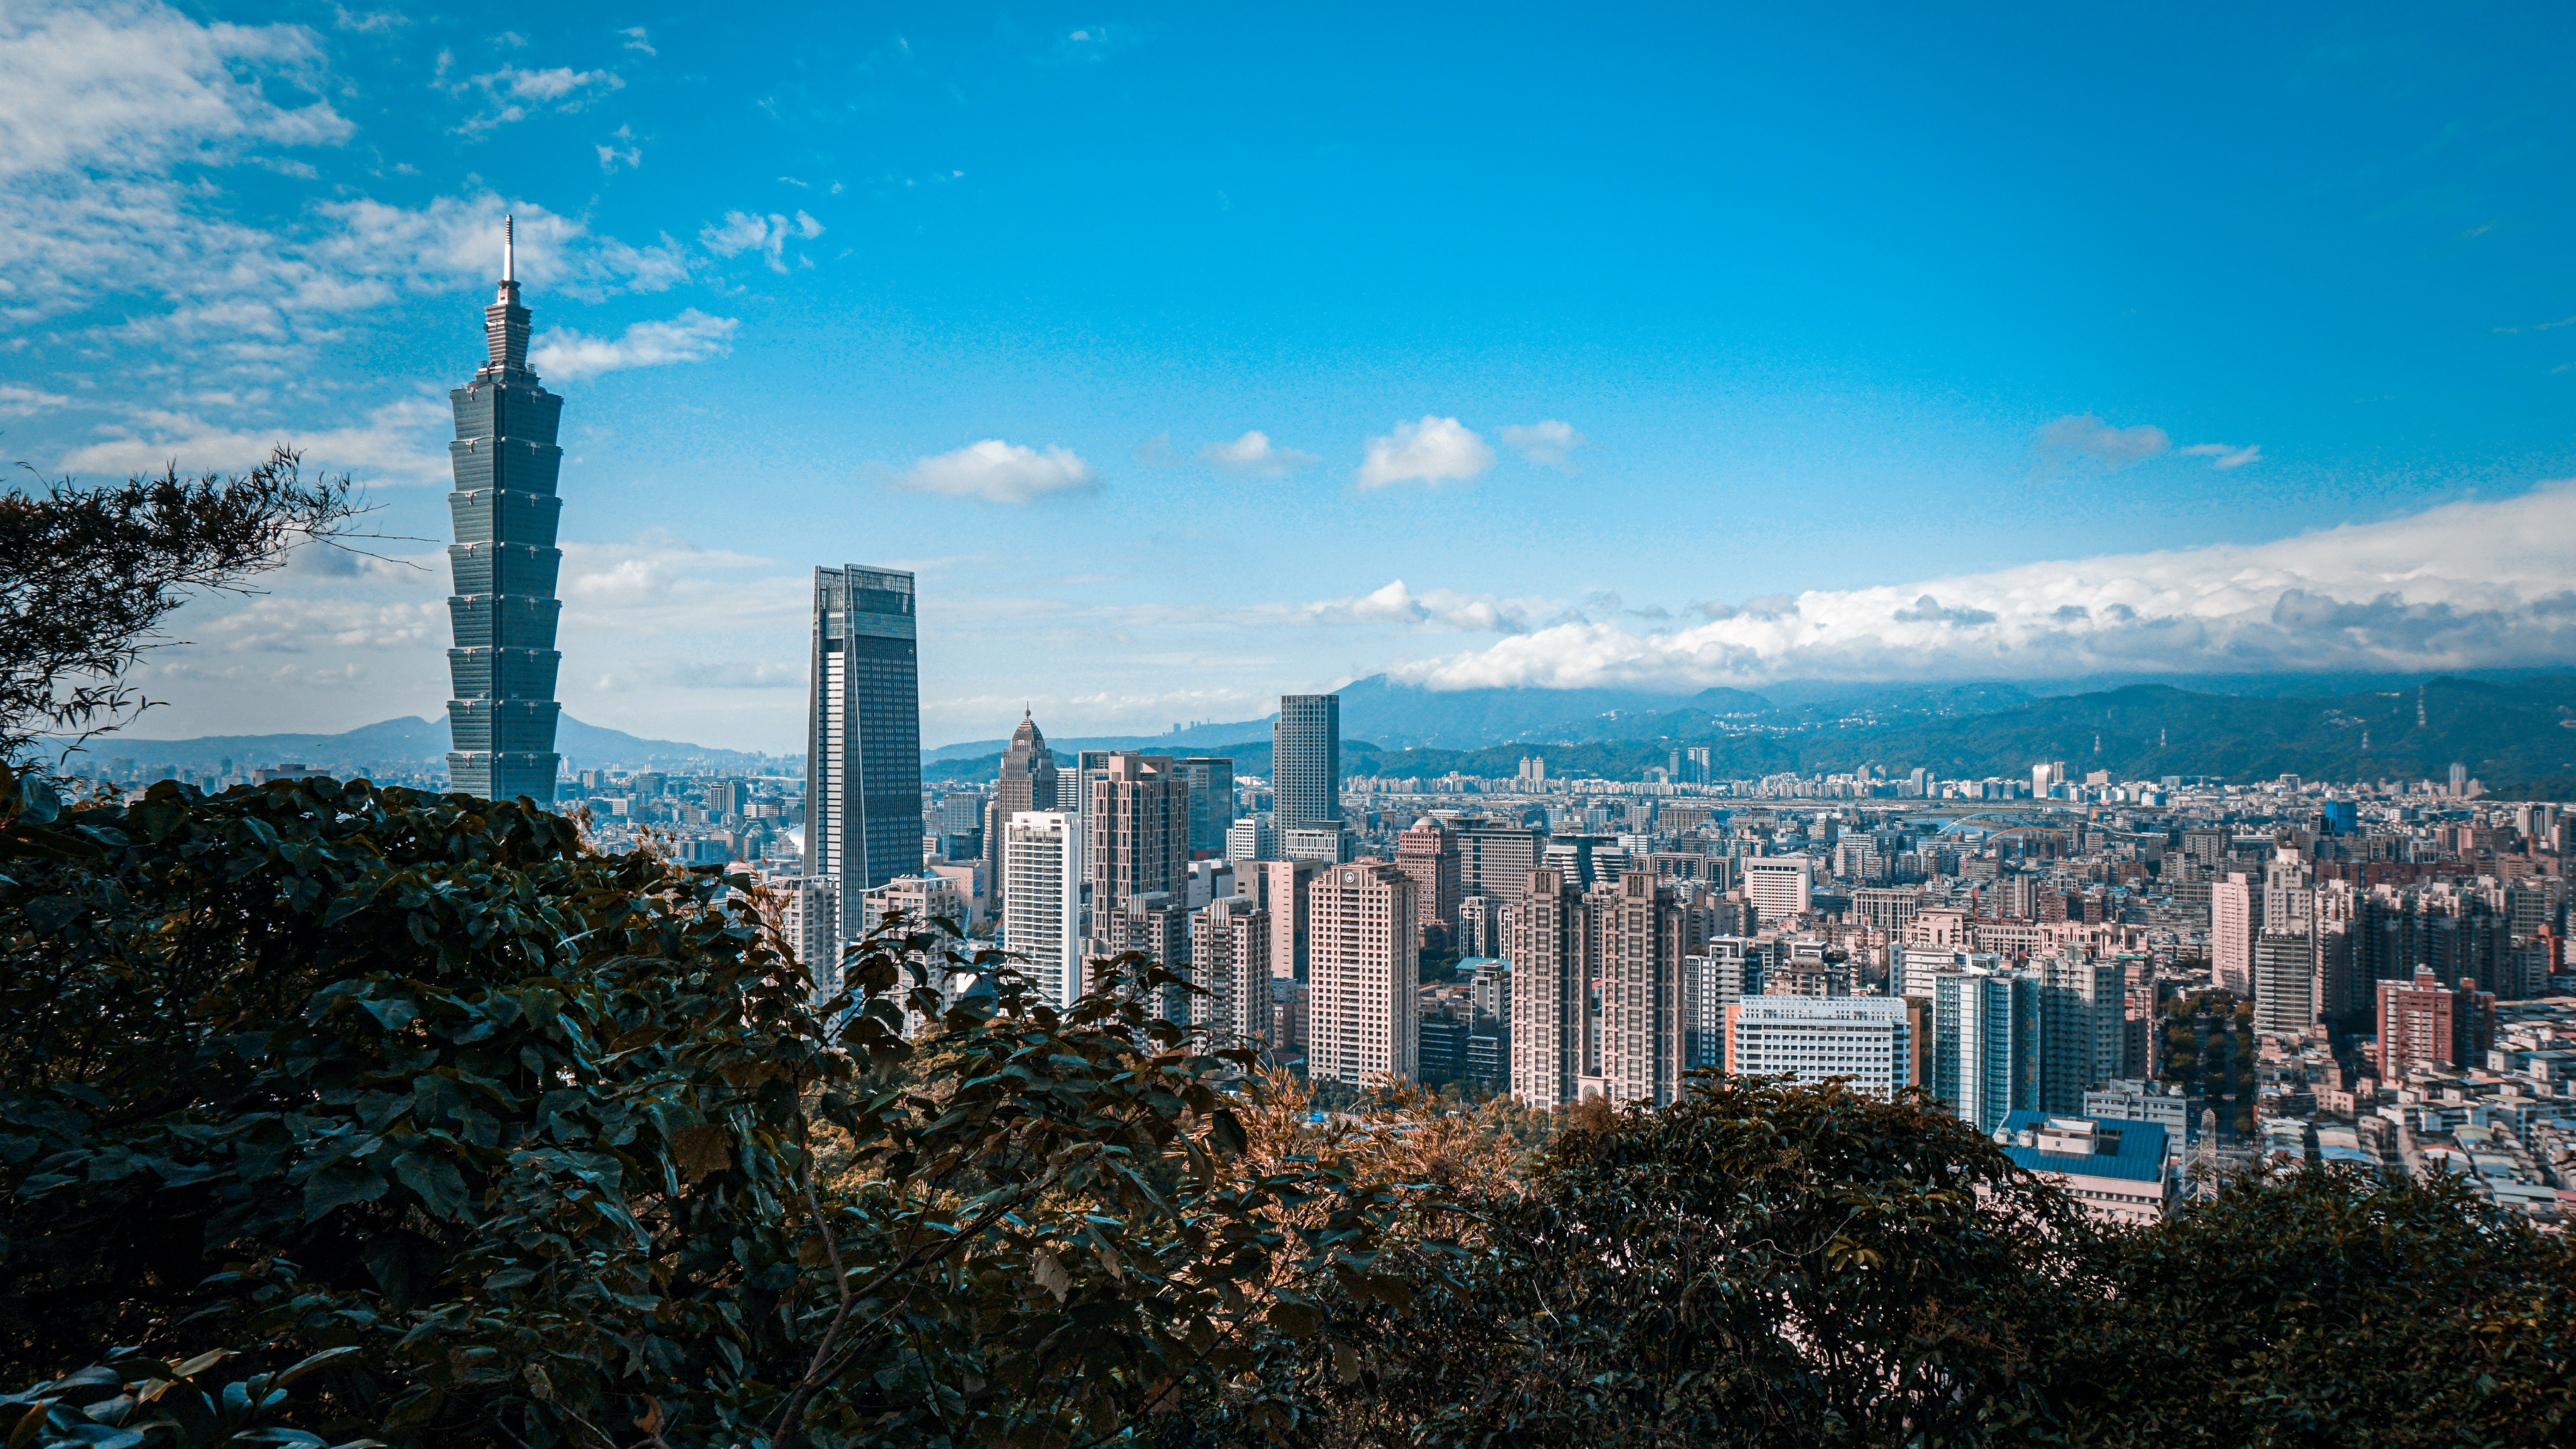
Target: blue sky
[{"x": 1675, "y": 346}]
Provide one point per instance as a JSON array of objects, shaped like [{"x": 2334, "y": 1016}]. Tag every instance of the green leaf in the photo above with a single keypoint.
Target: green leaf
[{"x": 440, "y": 1186}]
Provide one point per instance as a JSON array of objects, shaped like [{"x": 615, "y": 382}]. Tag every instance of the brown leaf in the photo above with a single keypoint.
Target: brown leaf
[{"x": 702, "y": 1149}]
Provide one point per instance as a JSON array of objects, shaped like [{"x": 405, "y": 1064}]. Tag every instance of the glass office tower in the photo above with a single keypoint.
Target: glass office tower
[{"x": 863, "y": 737}]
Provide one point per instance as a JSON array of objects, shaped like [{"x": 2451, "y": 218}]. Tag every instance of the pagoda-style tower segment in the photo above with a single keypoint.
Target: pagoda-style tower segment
[{"x": 505, "y": 561}]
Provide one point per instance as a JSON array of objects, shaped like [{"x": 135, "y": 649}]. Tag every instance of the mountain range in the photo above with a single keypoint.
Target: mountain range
[
  {"x": 2516, "y": 734},
  {"x": 420, "y": 743}
]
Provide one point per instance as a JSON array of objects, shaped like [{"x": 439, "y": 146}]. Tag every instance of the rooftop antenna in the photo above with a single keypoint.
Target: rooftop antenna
[{"x": 509, "y": 249}]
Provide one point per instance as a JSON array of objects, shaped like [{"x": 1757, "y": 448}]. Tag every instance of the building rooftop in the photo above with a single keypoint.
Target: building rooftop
[{"x": 2134, "y": 1150}]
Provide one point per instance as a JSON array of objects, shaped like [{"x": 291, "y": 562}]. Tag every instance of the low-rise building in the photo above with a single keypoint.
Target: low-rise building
[{"x": 2117, "y": 1170}]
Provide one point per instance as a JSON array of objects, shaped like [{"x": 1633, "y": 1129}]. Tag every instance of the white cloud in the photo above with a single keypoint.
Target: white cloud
[
  {"x": 399, "y": 442},
  {"x": 2461, "y": 586},
  {"x": 1000, "y": 472},
  {"x": 693, "y": 336},
  {"x": 509, "y": 92},
  {"x": 742, "y": 231},
  {"x": 1253, "y": 456},
  {"x": 636, "y": 39},
  {"x": 21, "y": 402},
  {"x": 613, "y": 155},
  {"x": 2226, "y": 455},
  {"x": 1429, "y": 450},
  {"x": 139, "y": 86},
  {"x": 1550, "y": 444}
]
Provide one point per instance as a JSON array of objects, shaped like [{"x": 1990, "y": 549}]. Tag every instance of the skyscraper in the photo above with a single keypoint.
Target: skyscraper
[
  {"x": 1361, "y": 1006},
  {"x": 1550, "y": 952},
  {"x": 1042, "y": 899},
  {"x": 502, "y": 718},
  {"x": 1028, "y": 782},
  {"x": 1211, "y": 782},
  {"x": 1306, "y": 762},
  {"x": 2235, "y": 919},
  {"x": 863, "y": 735}
]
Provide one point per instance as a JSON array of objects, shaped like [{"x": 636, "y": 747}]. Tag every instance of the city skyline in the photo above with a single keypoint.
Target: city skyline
[{"x": 1644, "y": 365}]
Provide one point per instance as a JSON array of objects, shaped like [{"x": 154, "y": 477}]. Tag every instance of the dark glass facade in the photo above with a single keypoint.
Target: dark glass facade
[
  {"x": 863, "y": 743},
  {"x": 502, "y": 670}
]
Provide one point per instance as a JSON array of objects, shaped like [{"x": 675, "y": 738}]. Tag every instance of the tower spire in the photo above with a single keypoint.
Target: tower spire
[{"x": 505, "y": 322}]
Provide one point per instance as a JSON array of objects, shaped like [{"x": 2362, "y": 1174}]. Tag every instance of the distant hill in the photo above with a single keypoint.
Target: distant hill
[
  {"x": 421, "y": 743},
  {"x": 2518, "y": 736}
]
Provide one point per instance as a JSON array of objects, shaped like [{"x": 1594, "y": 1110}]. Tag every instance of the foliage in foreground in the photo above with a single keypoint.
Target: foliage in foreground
[{"x": 457, "y": 1133}]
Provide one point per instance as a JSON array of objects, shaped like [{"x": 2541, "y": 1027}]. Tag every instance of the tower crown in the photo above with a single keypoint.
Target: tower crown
[{"x": 505, "y": 322}]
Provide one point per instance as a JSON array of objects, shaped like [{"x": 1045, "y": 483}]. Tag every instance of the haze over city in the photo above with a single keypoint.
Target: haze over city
[{"x": 1190, "y": 359}]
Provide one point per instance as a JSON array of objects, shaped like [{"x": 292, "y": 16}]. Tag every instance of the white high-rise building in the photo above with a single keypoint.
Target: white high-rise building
[
  {"x": 1251, "y": 838},
  {"x": 863, "y": 737},
  {"x": 1361, "y": 966},
  {"x": 810, "y": 919},
  {"x": 1729, "y": 970},
  {"x": 1866, "y": 1039},
  {"x": 1042, "y": 900},
  {"x": 1778, "y": 886}
]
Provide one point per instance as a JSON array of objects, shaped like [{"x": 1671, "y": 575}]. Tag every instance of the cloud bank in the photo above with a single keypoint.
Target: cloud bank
[{"x": 2467, "y": 585}]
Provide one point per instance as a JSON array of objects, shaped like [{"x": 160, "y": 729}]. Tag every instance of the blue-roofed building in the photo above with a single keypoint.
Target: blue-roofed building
[{"x": 2118, "y": 1170}]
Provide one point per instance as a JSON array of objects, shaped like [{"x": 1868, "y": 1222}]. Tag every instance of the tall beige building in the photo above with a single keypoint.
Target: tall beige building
[
  {"x": 1551, "y": 954},
  {"x": 1230, "y": 964},
  {"x": 1361, "y": 978},
  {"x": 1136, "y": 829},
  {"x": 1647, "y": 929}
]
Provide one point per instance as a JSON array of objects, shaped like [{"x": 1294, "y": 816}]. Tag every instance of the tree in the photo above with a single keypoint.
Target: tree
[
  {"x": 87, "y": 575},
  {"x": 1758, "y": 1264},
  {"x": 2324, "y": 1306},
  {"x": 564, "y": 1149}
]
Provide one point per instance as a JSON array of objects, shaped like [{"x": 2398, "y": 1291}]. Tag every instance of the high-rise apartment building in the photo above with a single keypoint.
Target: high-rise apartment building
[
  {"x": 1985, "y": 1056},
  {"x": 1281, "y": 887},
  {"x": 1865, "y": 1040},
  {"x": 1552, "y": 968},
  {"x": 810, "y": 920},
  {"x": 2235, "y": 918},
  {"x": 1646, "y": 930},
  {"x": 2285, "y": 979},
  {"x": 1426, "y": 852},
  {"x": 1027, "y": 782},
  {"x": 2425, "y": 1023},
  {"x": 1727, "y": 969},
  {"x": 504, "y": 562},
  {"x": 1306, "y": 762},
  {"x": 1042, "y": 900},
  {"x": 863, "y": 735},
  {"x": 1211, "y": 783},
  {"x": 2083, "y": 1011},
  {"x": 1230, "y": 963},
  {"x": 1137, "y": 821},
  {"x": 1361, "y": 1007}
]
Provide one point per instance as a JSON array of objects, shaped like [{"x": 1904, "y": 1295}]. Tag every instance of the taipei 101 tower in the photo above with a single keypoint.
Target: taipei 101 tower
[{"x": 503, "y": 666}]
